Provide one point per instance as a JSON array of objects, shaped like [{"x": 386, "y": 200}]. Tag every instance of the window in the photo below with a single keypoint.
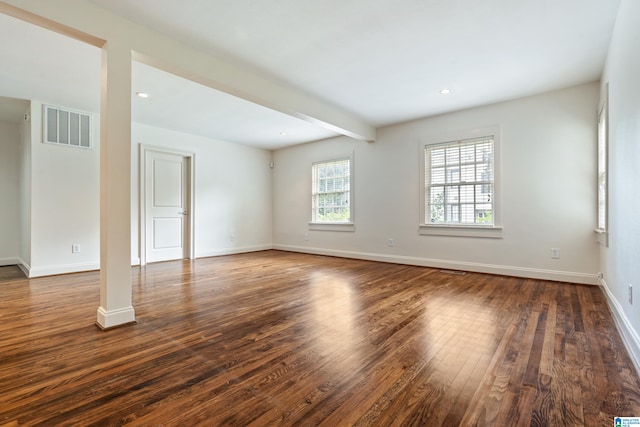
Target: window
[
  {"x": 66, "y": 127},
  {"x": 460, "y": 188},
  {"x": 331, "y": 193},
  {"x": 602, "y": 225}
]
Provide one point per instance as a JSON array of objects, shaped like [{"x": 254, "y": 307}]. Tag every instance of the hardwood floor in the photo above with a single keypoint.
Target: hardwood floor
[{"x": 277, "y": 338}]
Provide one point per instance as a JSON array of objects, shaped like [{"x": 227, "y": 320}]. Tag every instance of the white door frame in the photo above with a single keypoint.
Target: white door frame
[{"x": 144, "y": 152}]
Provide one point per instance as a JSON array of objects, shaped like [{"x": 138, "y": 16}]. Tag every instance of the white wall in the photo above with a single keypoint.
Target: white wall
[
  {"x": 548, "y": 192},
  {"x": 58, "y": 197},
  {"x": 232, "y": 191},
  {"x": 9, "y": 215},
  {"x": 65, "y": 203},
  {"x": 621, "y": 260}
]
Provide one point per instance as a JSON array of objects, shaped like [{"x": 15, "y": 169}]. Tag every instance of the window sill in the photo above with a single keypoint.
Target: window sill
[
  {"x": 332, "y": 226},
  {"x": 491, "y": 232}
]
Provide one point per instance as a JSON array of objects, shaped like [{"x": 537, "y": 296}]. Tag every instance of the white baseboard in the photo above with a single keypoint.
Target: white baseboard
[
  {"x": 232, "y": 251},
  {"x": 76, "y": 268},
  {"x": 31, "y": 272},
  {"x": 556, "y": 275},
  {"x": 107, "y": 319},
  {"x": 532, "y": 273},
  {"x": 9, "y": 261},
  {"x": 24, "y": 266},
  {"x": 62, "y": 269},
  {"x": 16, "y": 261},
  {"x": 625, "y": 327}
]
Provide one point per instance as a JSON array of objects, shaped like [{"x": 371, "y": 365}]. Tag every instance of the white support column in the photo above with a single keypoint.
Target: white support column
[{"x": 115, "y": 188}]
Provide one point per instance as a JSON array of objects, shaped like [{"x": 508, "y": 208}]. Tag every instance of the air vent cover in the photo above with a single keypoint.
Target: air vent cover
[{"x": 66, "y": 127}]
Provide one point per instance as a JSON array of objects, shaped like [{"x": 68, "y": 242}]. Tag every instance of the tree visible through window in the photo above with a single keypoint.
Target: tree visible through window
[
  {"x": 331, "y": 191},
  {"x": 459, "y": 182}
]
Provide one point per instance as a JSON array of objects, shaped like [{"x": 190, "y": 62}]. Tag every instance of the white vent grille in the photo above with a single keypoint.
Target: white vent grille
[{"x": 66, "y": 127}]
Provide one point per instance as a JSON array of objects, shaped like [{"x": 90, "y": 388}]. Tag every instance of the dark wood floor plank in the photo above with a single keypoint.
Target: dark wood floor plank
[
  {"x": 10, "y": 273},
  {"x": 277, "y": 338}
]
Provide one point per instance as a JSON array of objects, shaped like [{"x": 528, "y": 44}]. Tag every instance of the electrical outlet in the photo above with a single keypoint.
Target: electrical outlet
[
  {"x": 390, "y": 242},
  {"x": 555, "y": 253},
  {"x": 75, "y": 249},
  {"x": 630, "y": 294}
]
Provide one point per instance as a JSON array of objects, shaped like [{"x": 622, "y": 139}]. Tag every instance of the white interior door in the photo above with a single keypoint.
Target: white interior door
[{"x": 167, "y": 206}]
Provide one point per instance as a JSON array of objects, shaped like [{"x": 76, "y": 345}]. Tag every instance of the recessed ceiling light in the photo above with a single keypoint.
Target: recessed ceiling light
[
  {"x": 283, "y": 133},
  {"x": 445, "y": 91},
  {"x": 144, "y": 95}
]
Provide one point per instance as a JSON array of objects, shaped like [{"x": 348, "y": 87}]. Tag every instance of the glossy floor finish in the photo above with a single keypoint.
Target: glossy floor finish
[{"x": 277, "y": 338}]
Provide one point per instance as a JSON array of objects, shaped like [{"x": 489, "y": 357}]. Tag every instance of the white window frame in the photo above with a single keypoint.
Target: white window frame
[
  {"x": 602, "y": 208},
  {"x": 341, "y": 225},
  {"x": 462, "y": 229}
]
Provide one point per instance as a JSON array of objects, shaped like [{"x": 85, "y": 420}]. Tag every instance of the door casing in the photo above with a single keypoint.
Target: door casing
[{"x": 144, "y": 153}]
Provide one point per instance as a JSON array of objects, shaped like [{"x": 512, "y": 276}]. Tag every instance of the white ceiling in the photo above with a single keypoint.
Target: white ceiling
[
  {"x": 384, "y": 61},
  {"x": 42, "y": 65},
  {"x": 180, "y": 104}
]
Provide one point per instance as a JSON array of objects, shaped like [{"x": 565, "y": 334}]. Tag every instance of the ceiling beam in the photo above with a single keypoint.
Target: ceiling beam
[{"x": 49, "y": 24}]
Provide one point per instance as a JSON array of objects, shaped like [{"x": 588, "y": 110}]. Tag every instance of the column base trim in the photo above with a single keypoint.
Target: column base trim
[{"x": 114, "y": 318}]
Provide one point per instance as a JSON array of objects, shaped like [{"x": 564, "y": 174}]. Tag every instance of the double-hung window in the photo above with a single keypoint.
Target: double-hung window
[
  {"x": 332, "y": 194},
  {"x": 460, "y": 188}
]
